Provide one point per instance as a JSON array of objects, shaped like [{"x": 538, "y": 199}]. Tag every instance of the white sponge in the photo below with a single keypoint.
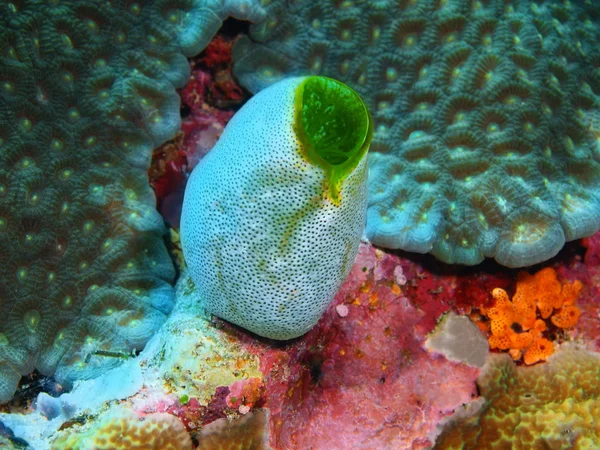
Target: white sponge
[{"x": 273, "y": 215}]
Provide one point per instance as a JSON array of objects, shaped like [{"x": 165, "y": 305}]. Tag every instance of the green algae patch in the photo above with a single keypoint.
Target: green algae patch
[{"x": 334, "y": 127}]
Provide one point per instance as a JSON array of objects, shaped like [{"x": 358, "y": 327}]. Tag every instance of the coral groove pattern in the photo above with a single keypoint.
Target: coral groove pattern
[
  {"x": 549, "y": 406},
  {"x": 487, "y": 115},
  {"x": 87, "y": 90},
  {"x": 123, "y": 429}
]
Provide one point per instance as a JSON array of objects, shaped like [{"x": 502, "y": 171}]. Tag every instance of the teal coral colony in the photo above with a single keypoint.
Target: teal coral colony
[
  {"x": 273, "y": 215},
  {"x": 208, "y": 226},
  {"x": 87, "y": 90},
  {"x": 486, "y": 115}
]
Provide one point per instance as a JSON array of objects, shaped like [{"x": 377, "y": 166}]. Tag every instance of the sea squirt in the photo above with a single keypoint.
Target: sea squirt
[{"x": 273, "y": 215}]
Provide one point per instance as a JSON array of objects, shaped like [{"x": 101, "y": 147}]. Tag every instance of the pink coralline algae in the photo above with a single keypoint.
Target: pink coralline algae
[{"x": 361, "y": 380}]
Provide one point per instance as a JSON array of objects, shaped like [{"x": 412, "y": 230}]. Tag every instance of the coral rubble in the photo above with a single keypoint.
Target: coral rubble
[{"x": 485, "y": 115}]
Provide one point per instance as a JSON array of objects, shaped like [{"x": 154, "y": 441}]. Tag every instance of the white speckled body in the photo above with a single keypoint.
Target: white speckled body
[{"x": 266, "y": 247}]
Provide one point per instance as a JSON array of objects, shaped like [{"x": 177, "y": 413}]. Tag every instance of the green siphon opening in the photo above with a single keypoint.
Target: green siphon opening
[{"x": 333, "y": 126}]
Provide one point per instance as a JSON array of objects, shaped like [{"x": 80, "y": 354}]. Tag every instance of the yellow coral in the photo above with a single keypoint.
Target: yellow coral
[
  {"x": 124, "y": 429},
  {"x": 548, "y": 406},
  {"x": 249, "y": 432},
  {"x": 515, "y": 326}
]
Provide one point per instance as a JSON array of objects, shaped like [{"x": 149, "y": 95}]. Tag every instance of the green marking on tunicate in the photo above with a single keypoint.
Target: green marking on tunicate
[
  {"x": 8, "y": 86},
  {"x": 83, "y": 266},
  {"x": 3, "y": 339},
  {"x": 3, "y": 190},
  {"x": 99, "y": 63},
  {"x": 67, "y": 77},
  {"x": 267, "y": 72},
  {"x": 40, "y": 95},
  {"x": 51, "y": 277},
  {"x": 28, "y": 238},
  {"x": 92, "y": 26},
  {"x": 493, "y": 128},
  {"x": 26, "y": 124},
  {"x": 88, "y": 226},
  {"x": 66, "y": 174},
  {"x": 64, "y": 208},
  {"x": 92, "y": 288},
  {"x": 32, "y": 320},
  {"x": 334, "y": 128},
  {"x": 56, "y": 145},
  {"x": 3, "y": 223},
  {"x": 391, "y": 74},
  {"x": 22, "y": 273},
  {"x": 184, "y": 399},
  {"x": 108, "y": 311},
  {"x": 66, "y": 302},
  {"x": 376, "y": 33},
  {"x": 569, "y": 144},
  {"x": 74, "y": 114},
  {"x": 135, "y": 8},
  {"x": 130, "y": 194},
  {"x": 66, "y": 40},
  {"x": 451, "y": 37},
  {"x": 59, "y": 337},
  {"x": 344, "y": 67},
  {"x": 89, "y": 141},
  {"x": 107, "y": 244},
  {"x": 121, "y": 37},
  {"x": 26, "y": 162}
]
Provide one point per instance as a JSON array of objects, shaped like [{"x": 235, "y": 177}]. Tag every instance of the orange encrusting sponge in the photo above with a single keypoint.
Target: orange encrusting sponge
[{"x": 518, "y": 325}]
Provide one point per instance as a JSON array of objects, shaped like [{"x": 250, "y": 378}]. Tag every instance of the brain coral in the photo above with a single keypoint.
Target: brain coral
[
  {"x": 486, "y": 115},
  {"x": 273, "y": 215},
  {"x": 87, "y": 89},
  {"x": 549, "y": 406},
  {"x": 123, "y": 429}
]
